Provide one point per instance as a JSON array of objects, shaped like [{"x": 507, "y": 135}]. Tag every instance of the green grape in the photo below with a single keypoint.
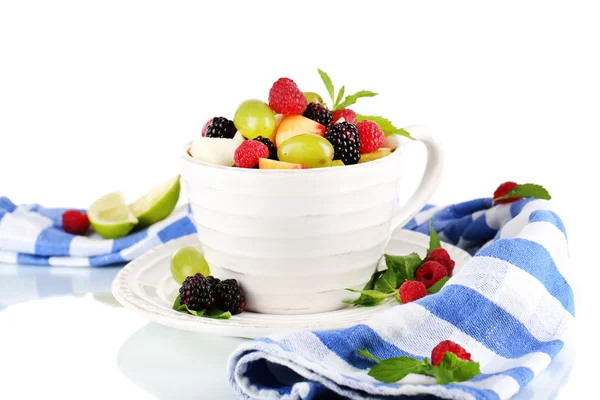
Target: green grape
[
  {"x": 310, "y": 150},
  {"x": 313, "y": 97},
  {"x": 188, "y": 261},
  {"x": 255, "y": 118}
]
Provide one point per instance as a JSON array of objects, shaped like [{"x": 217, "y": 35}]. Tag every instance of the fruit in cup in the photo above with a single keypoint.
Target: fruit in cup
[
  {"x": 188, "y": 261},
  {"x": 217, "y": 151},
  {"x": 374, "y": 155},
  {"x": 310, "y": 150},
  {"x": 265, "y": 163},
  {"x": 255, "y": 118},
  {"x": 289, "y": 113},
  {"x": 312, "y": 97},
  {"x": 293, "y": 125}
]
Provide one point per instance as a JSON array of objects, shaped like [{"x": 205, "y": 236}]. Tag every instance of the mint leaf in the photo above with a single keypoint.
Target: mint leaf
[
  {"x": 436, "y": 287},
  {"x": 434, "y": 239},
  {"x": 368, "y": 298},
  {"x": 453, "y": 369},
  {"x": 351, "y": 99},
  {"x": 365, "y": 300},
  {"x": 217, "y": 314},
  {"x": 403, "y": 266},
  {"x": 527, "y": 190},
  {"x": 367, "y": 354},
  {"x": 394, "y": 369},
  {"x": 376, "y": 294},
  {"x": 387, "y": 281},
  {"x": 385, "y": 124},
  {"x": 177, "y": 302},
  {"x": 339, "y": 97},
  {"x": 194, "y": 312},
  {"x": 328, "y": 84}
]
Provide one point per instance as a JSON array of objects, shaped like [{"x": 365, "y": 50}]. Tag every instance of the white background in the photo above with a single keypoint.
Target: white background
[{"x": 101, "y": 96}]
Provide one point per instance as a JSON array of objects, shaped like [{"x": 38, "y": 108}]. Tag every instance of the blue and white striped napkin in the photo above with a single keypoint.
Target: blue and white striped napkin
[
  {"x": 511, "y": 307},
  {"x": 32, "y": 234}
]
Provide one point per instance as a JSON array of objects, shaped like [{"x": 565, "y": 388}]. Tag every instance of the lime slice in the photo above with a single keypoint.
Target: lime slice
[
  {"x": 110, "y": 216},
  {"x": 157, "y": 204}
]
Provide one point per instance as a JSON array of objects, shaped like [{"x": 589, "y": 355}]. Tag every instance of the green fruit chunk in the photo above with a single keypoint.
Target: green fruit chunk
[
  {"x": 374, "y": 155},
  {"x": 157, "y": 204},
  {"x": 188, "y": 261},
  {"x": 337, "y": 163},
  {"x": 255, "y": 118},
  {"x": 313, "y": 97},
  {"x": 110, "y": 217},
  {"x": 310, "y": 150}
]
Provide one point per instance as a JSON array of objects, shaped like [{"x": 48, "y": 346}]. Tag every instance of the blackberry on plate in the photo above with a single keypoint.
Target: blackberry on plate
[
  {"x": 212, "y": 281},
  {"x": 318, "y": 113},
  {"x": 229, "y": 296},
  {"x": 270, "y": 145},
  {"x": 346, "y": 141},
  {"x": 221, "y": 128},
  {"x": 196, "y": 292}
]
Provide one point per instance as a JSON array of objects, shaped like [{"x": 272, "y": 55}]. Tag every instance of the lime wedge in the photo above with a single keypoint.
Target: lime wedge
[
  {"x": 110, "y": 216},
  {"x": 157, "y": 204}
]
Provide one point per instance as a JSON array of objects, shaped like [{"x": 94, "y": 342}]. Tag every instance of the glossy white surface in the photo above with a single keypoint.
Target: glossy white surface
[
  {"x": 145, "y": 286},
  {"x": 63, "y": 336},
  {"x": 283, "y": 231}
]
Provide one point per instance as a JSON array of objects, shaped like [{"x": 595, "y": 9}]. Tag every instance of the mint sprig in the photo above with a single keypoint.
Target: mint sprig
[
  {"x": 436, "y": 287},
  {"x": 214, "y": 313},
  {"x": 336, "y": 101},
  {"x": 451, "y": 368},
  {"x": 527, "y": 190},
  {"x": 404, "y": 266}
]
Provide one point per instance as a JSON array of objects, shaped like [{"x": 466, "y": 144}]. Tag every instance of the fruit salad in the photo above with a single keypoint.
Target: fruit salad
[{"x": 297, "y": 130}]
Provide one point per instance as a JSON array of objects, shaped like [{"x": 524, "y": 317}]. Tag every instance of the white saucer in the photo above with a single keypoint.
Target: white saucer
[{"x": 145, "y": 286}]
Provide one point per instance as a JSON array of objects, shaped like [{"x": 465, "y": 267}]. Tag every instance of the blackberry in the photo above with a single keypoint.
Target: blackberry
[
  {"x": 229, "y": 296},
  {"x": 221, "y": 128},
  {"x": 346, "y": 141},
  {"x": 196, "y": 292},
  {"x": 212, "y": 281},
  {"x": 318, "y": 113},
  {"x": 272, "y": 149}
]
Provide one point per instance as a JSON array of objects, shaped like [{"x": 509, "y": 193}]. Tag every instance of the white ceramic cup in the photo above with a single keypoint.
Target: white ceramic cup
[{"x": 295, "y": 239}]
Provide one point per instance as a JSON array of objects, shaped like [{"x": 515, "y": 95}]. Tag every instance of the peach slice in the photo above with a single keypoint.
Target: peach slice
[
  {"x": 294, "y": 125},
  {"x": 265, "y": 163}
]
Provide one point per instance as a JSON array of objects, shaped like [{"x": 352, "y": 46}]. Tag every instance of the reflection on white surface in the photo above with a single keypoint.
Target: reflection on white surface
[
  {"x": 174, "y": 364},
  {"x": 85, "y": 346}
]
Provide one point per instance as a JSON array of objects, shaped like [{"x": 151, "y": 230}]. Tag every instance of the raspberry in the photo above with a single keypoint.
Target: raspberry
[
  {"x": 285, "y": 98},
  {"x": 345, "y": 140},
  {"x": 371, "y": 136},
  {"x": 229, "y": 296},
  {"x": 504, "y": 189},
  {"x": 206, "y": 126},
  {"x": 411, "y": 291},
  {"x": 430, "y": 272},
  {"x": 221, "y": 127},
  {"x": 347, "y": 114},
  {"x": 318, "y": 113},
  {"x": 437, "y": 354},
  {"x": 248, "y": 153},
  {"x": 75, "y": 222},
  {"x": 441, "y": 255},
  {"x": 196, "y": 292},
  {"x": 271, "y": 146}
]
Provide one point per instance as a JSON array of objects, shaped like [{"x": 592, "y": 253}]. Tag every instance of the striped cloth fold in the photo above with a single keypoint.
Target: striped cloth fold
[
  {"x": 32, "y": 234},
  {"x": 511, "y": 307}
]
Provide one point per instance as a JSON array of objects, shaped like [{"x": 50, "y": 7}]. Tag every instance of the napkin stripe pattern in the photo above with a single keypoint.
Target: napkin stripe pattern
[
  {"x": 510, "y": 306},
  {"x": 32, "y": 234}
]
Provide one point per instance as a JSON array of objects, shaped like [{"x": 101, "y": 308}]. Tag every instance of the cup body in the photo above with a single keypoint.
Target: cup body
[{"x": 294, "y": 239}]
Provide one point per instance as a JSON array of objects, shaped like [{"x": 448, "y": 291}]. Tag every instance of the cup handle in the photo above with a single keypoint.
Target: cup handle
[{"x": 429, "y": 181}]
